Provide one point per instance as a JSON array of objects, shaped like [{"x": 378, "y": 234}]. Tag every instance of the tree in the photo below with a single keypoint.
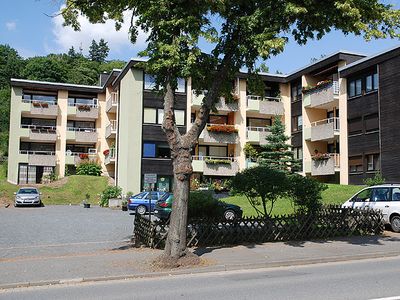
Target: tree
[
  {"x": 262, "y": 186},
  {"x": 245, "y": 32},
  {"x": 98, "y": 52},
  {"x": 47, "y": 68},
  {"x": 277, "y": 153},
  {"x": 10, "y": 65}
]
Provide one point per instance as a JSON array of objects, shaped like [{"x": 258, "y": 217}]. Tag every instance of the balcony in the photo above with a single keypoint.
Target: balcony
[
  {"x": 215, "y": 166},
  {"x": 220, "y": 134},
  {"x": 221, "y": 106},
  {"x": 82, "y": 135},
  {"x": 325, "y": 164},
  {"x": 110, "y": 158},
  {"x": 39, "y": 133},
  {"x": 251, "y": 164},
  {"x": 112, "y": 102},
  {"x": 325, "y": 130},
  {"x": 265, "y": 105},
  {"x": 40, "y": 158},
  {"x": 257, "y": 135},
  {"x": 111, "y": 129},
  {"x": 35, "y": 107},
  {"x": 75, "y": 158},
  {"x": 322, "y": 95},
  {"x": 84, "y": 111}
]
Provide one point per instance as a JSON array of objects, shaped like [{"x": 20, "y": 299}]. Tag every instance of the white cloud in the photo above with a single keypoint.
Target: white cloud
[
  {"x": 65, "y": 37},
  {"x": 11, "y": 26}
]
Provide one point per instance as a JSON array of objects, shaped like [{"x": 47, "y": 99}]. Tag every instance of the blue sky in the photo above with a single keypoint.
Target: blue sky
[{"x": 24, "y": 26}]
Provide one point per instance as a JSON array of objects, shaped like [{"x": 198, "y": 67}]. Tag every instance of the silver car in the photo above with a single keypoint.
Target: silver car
[{"x": 27, "y": 196}]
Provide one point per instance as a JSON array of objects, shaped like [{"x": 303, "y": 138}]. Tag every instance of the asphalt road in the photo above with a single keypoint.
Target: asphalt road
[
  {"x": 61, "y": 230},
  {"x": 366, "y": 279}
]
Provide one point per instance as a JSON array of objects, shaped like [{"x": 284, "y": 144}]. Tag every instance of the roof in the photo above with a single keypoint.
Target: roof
[
  {"x": 55, "y": 85},
  {"x": 369, "y": 61}
]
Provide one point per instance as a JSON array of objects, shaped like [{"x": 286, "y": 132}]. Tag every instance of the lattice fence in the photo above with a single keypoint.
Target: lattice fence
[{"x": 328, "y": 222}]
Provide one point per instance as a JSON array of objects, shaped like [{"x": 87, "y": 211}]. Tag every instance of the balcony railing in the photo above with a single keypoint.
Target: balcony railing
[
  {"x": 81, "y": 129},
  {"x": 36, "y": 152},
  {"x": 40, "y": 102},
  {"x": 321, "y": 95},
  {"x": 259, "y": 98},
  {"x": 40, "y": 128},
  {"x": 334, "y": 121},
  {"x": 43, "y": 108},
  {"x": 110, "y": 158},
  {"x": 258, "y": 129},
  {"x": 265, "y": 105},
  {"x": 215, "y": 165},
  {"x": 40, "y": 158},
  {"x": 325, "y": 129},
  {"x": 257, "y": 134},
  {"x": 204, "y": 158},
  {"x": 220, "y": 133},
  {"x": 91, "y": 104},
  {"x": 221, "y": 105},
  {"x": 112, "y": 101},
  {"x": 325, "y": 164}
]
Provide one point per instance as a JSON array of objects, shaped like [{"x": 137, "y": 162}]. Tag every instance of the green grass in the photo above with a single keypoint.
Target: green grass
[
  {"x": 335, "y": 194},
  {"x": 72, "y": 192}
]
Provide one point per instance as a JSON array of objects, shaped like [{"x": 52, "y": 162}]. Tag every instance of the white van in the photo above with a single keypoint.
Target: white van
[{"x": 384, "y": 197}]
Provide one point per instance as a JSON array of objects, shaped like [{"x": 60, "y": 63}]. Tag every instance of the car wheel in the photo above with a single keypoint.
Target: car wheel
[
  {"x": 395, "y": 223},
  {"x": 141, "y": 209},
  {"x": 229, "y": 215},
  {"x": 15, "y": 205}
]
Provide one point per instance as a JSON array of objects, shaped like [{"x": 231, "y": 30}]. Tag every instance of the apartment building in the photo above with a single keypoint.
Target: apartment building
[{"x": 330, "y": 116}]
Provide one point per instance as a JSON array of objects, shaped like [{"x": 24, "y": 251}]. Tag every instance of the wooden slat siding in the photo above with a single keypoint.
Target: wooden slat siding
[
  {"x": 389, "y": 90},
  {"x": 363, "y": 144},
  {"x": 156, "y": 133},
  {"x": 363, "y": 105},
  {"x": 157, "y": 166},
  {"x": 297, "y": 139},
  {"x": 151, "y": 99}
]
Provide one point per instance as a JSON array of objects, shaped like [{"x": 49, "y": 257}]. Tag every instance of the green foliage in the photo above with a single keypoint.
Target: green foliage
[
  {"x": 376, "y": 180},
  {"x": 51, "y": 68},
  {"x": 262, "y": 186},
  {"x": 277, "y": 154},
  {"x": 98, "y": 51},
  {"x": 217, "y": 161},
  {"x": 203, "y": 205},
  {"x": 109, "y": 193},
  {"x": 250, "y": 151},
  {"x": 88, "y": 168},
  {"x": 11, "y": 65},
  {"x": 305, "y": 193}
]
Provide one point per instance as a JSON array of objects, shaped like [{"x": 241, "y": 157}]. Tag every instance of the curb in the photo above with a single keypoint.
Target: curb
[{"x": 209, "y": 269}]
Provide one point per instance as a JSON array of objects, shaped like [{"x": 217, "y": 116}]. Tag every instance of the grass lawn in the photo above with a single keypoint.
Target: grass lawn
[
  {"x": 335, "y": 194},
  {"x": 69, "y": 191}
]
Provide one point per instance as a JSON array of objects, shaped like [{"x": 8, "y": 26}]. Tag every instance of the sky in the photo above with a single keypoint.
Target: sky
[{"x": 27, "y": 26}]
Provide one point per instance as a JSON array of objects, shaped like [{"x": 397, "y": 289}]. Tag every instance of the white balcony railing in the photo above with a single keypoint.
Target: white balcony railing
[
  {"x": 49, "y": 102},
  {"x": 41, "y": 128},
  {"x": 93, "y": 103},
  {"x": 334, "y": 121},
  {"x": 114, "y": 125},
  {"x": 113, "y": 98},
  {"x": 336, "y": 87},
  {"x": 258, "y": 129},
  {"x": 77, "y": 129},
  {"x": 203, "y": 158},
  {"x": 259, "y": 98},
  {"x": 30, "y": 152}
]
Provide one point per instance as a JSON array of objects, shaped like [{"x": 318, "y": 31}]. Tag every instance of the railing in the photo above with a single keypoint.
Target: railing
[
  {"x": 336, "y": 87},
  {"x": 45, "y": 128},
  {"x": 259, "y": 129},
  {"x": 226, "y": 125},
  {"x": 37, "y": 152},
  {"x": 203, "y": 158},
  {"x": 336, "y": 159},
  {"x": 81, "y": 129},
  {"x": 114, "y": 125},
  {"x": 335, "y": 121},
  {"x": 93, "y": 104},
  {"x": 50, "y": 102},
  {"x": 70, "y": 153},
  {"x": 113, "y": 97},
  {"x": 259, "y": 98}
]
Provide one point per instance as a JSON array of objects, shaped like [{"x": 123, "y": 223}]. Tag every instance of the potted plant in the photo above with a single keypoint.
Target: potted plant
[
  {"x": 124, "y": 205},
  {"x": 85, "y": 202}
]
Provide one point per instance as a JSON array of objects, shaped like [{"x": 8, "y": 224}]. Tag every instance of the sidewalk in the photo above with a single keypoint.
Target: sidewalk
[{"x": 126, "y": 262}]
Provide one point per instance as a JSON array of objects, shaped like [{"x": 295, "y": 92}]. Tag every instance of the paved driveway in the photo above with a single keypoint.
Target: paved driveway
[{"x": 62, "y": 230}]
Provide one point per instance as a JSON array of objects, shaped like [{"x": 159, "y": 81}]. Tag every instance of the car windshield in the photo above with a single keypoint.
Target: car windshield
[
  {"x": 139, "y": 196},
  {"x": 28, "y": 191},
  {"x": 164, "y": 197}
]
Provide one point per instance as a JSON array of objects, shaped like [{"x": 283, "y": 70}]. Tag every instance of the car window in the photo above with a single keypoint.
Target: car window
[
  {"x": 396, "y": 194},
  {"x": 381, "y": 194},
  {"x": 152, "y": 196},
  {"x": 139, "y": 196},
  {"x": 28, "y": 191},
  {"x": 363, "y": 196}
]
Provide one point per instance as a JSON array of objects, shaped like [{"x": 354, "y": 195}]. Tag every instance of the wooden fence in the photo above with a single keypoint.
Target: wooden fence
[{"x": 328, "y": 222}]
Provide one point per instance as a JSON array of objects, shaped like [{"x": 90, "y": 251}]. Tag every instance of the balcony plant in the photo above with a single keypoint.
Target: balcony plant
[
  {"x": 36, "y": 104},
  {"x": 44, "y": 104},
  {"x": 83, "y": 155},
  {"x": 320, "y": 85},
  {"x": 213, "y": 161},
  {"x": 84, "y": 107},
  {"x": 222, "y": 128},
  {"x": 106, "y": 152},
  {"x": 321, "y": 156}
]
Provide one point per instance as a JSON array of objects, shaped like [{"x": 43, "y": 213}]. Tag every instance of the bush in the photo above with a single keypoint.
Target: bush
[
  {"x": 203, "y": 205},
  {"x": 376, "y": 180},
  {"x": 109, "y": 193},
  {"x": 88, "y": 168},
  {"x": 305, "y": 192}
]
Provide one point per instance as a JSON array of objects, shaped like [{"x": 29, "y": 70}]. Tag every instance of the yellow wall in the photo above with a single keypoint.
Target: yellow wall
[{"x": 61, "y": 132}]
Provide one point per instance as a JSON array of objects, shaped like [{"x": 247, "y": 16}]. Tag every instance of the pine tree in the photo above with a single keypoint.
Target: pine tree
[
  {"x": 277, "y": 153},
  {"x": 98, "y": 51}
]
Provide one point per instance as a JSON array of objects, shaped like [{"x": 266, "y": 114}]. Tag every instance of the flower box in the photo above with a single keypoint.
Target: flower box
[
  {"x": 84, "y": 107},
  {"x": 83, "y": 156},
  {"x": 106, "y": 152},
  {"x": 222, "y": 128},
  {"x": 214, "y": 161},
  {"x": 321, "y": 156},
  {"x": 319, "y": 85}
]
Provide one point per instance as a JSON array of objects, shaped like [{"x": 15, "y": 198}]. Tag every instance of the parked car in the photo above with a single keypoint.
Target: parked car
[
  {"x": 145, "y": 201},
  {"x": 383, "y": 197},
  {"x": 28, "y": 196},
  {"x": 163, "y": 209}
]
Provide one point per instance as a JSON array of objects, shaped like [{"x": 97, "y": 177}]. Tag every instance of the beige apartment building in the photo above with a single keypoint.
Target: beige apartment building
[{"x": 54, "y": 126}]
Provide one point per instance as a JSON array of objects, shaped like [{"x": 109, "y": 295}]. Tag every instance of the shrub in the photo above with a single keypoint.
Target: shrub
[
  {"x": 203, "y": 205},
  {"x": 376, "y": 180},
  {"x": 109, "y": 193},
  {"x": 305, "y": 193},
  {"x": 88, "y": 168},
  {"x": 218, "y": 161}
]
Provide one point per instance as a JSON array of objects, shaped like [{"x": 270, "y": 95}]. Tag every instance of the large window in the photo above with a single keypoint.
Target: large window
[
  {"x": 215, "y": 119},
  {"x": 150, "y": 83},
  {"x": 256, "y": 122},
  {"x": 219, "y": 151},
  {"x": 82, "y": 100},
  {"x": 355, "y": 164},
  {"x": 373, "y": 162},
  {"x": 297, "y": 123},
  {"x": 31, "y": 96},
  {"x": 156, "y": 116},
  {"x": 150, "y": 115},
  {"x": 296, "y": 91},
  {"x": 156, "y": 150},
  {"x": 362, "y": 84}
]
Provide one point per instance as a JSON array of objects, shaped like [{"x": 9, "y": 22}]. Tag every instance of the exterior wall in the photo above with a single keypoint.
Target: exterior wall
[
  {"x": 287, "y": 120},
  {"x": 101, "y": 124},
  {"x": 240, "y": 122},
  {"x": 130, "y": 131},
  {"x": 343, "y": 138},
  {"x": 13, "y": 145}
]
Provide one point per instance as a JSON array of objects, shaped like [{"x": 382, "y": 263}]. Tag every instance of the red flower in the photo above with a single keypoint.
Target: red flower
[
  {"x": 106, "y": 152},
  {"x": 83, "y": 155}
]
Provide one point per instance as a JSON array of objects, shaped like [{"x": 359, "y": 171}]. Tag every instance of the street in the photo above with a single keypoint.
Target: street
[{"x": 365, "y": 279}]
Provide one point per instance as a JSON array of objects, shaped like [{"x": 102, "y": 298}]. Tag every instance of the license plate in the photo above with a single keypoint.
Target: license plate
[{"x": 156, "y": 211}]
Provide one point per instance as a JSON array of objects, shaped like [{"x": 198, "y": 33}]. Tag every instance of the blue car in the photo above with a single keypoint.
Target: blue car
[{"x": 145, "y": 201}]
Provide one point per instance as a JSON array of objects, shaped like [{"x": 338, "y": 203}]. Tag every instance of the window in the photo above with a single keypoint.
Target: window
[
  {"x": 149, "y": 82},
  {"x": 180, "y": 117},
  {"x": 160, "y": 116},
  {"x": 358, "y": 87},
  {"x": 181, "y": 88},
  {"x": 371, "y": 123},
  {"x": 355, "y": 164},
  {"x": 219, "y": 151},
  {"x": 381, "y": 194},
  {"x": 373, "y": 162},
  {"x": 215, "y": 119},
  {"x": 354, "y": 126},
  {"x": 31, "y": 96},
  {"x": 396, "y": 194},
  {"x": 352, "y": 89},
  {"x": 79, "y": 100},
  {"x": 362, "y": 196},
  {"x": 296, "y": 91},
  {"x": 368, "y": 84},
  {"x": 255, "y": 122},
  {"x": 156, "y": 150},
  {"x": 149, "y": 115},
  {"x": 297, "y": 123},
  {"x": 376, "y": 81},
  {"x": 298, "y": 153},
  {"x": 363, "y": 84},
  {"x": 149, "y": 150}
]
